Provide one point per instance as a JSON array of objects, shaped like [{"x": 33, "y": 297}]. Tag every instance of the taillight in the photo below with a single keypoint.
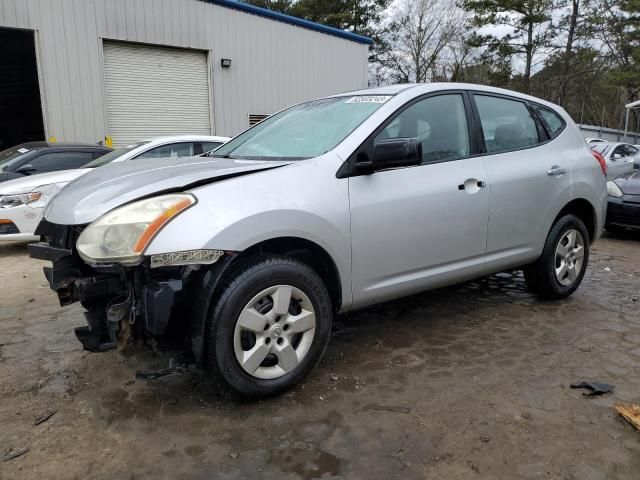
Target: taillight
[{"x": 601, "y": 161}]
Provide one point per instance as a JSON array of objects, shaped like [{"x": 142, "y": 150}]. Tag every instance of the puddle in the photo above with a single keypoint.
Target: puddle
[{"x": 309, "y": 463}]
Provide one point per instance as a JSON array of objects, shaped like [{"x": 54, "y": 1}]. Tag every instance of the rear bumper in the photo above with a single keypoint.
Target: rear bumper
[{"x": 623, "y": 213}]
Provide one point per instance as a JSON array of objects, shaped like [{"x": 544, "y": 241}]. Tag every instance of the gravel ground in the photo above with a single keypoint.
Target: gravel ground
[{"x": 465, "y": 382}]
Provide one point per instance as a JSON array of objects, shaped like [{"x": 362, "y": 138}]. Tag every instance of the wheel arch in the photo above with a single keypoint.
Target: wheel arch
[
  {"x": 585, "y": 211},
  {"x": 209, "y": 279},
  {"x": 307, "y": 252}
]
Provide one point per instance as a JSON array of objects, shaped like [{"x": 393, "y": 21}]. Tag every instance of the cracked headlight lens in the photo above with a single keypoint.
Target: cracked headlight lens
[{"x": 123, "y": 234}]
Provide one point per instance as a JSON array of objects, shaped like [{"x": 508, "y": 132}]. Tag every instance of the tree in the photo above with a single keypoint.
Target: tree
[
  {"x": 572, "y": 23},
  {"x": 364, "y": 17},
  {"x": 282, "y": 6},
  {"x": 616, "y": 25},
  {"x": 419, "y": 35},
  {"x": 527, "y": 26}
]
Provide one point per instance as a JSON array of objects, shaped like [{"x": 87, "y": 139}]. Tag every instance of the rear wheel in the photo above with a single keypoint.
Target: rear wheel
[
  {"x": 561, "y": 267},
  {"x": 269, "y": 327}
]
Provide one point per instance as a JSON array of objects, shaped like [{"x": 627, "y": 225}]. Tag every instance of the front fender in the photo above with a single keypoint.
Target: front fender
[{"x": 313, "y": 206}]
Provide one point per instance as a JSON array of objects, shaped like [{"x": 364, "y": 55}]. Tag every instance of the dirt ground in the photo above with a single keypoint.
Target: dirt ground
[{"x": 461, "y": 383}]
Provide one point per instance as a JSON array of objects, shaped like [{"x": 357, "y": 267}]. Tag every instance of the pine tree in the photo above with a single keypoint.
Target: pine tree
[{"x": 528, "y": 25}]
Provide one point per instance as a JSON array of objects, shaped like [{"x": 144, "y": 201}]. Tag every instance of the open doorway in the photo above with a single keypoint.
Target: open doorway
[{"x": 20, "y": 106}]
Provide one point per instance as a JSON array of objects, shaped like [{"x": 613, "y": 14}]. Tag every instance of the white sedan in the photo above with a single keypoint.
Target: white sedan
[{"x": 22, "y": 200}]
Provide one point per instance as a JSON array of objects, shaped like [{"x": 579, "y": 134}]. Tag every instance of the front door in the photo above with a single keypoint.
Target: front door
[{"x": 425, "y": 226}]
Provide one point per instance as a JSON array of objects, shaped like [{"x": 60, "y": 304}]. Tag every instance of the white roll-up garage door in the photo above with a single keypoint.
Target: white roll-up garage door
[{"x": 154, "y": 91}]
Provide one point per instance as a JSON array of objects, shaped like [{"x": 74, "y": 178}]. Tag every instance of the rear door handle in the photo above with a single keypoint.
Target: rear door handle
[
  {"x": 556, "y": 171},
  {"x": 472, "y": 185}
]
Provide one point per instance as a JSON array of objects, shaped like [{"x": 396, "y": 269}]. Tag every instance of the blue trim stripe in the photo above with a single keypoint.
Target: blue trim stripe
[{"x": 282, "y": 17}]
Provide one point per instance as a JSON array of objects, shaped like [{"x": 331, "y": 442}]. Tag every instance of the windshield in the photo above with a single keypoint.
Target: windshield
[
  {"x": 111, "y": 156},
  {"x": 11, "y": 156},
  {"x": 303, "y": 131}
]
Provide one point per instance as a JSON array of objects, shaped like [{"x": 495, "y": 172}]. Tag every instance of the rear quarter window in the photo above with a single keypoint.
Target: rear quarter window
[{"x": 551, "y": 120}]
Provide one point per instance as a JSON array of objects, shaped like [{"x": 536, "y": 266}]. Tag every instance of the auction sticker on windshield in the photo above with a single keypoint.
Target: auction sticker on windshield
[{"x": 369, "y": 99}]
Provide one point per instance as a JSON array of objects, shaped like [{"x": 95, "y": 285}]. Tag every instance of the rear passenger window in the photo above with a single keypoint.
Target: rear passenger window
[
  {"x": 439, "y": 123},
  {"x": 506, "y": 124},
  {"x": 552, "y": 121}
]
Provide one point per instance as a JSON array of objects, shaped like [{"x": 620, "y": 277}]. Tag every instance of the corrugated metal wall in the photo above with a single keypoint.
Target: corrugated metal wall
[{"x": 273, "y": 63}]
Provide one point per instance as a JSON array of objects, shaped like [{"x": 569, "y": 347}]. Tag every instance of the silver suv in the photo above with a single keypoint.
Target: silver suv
[{"x": 325, "y": 207}]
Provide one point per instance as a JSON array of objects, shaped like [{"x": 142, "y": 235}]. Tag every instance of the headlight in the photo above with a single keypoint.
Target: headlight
[
  {"x": 18, "y": 199},
  {"x": 38, "y": 198},
  {"x": 613, "y": 189},
  {"x": 123, "y": 234}
]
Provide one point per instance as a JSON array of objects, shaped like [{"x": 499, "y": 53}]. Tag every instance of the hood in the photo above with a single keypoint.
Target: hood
[
  {"x": 117, "y": 183},
  {"x": 28, "y": 183},
  {"x": 629, "y": 183}
]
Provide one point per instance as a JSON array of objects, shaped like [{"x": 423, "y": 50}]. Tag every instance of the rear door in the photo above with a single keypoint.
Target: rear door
[
  {"x": 528, "y": 175},
  {"x": 424, "y": 226}
]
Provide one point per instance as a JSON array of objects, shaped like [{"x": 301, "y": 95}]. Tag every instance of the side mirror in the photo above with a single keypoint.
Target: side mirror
[
  {"x": 616, "y": 156},
  {"x": 392, "y": 153},
  {"x": 26, "y": 169}
]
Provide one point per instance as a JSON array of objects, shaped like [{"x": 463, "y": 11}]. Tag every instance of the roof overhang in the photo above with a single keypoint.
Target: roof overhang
[{"x": 299, "y": 22}]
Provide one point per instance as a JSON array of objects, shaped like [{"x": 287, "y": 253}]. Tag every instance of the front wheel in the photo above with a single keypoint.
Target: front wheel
[
  {"x": 561, "y": 267},
  {"x": 269, "y": 327}
]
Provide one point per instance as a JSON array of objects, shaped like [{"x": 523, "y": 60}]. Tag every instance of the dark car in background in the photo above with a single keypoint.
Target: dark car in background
[
  {"x": 623, "y": 211},
  {"x": 33, "y": 158}
]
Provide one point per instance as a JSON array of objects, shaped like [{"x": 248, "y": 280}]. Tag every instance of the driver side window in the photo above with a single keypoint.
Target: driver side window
[{"x": 439, "y": 123}]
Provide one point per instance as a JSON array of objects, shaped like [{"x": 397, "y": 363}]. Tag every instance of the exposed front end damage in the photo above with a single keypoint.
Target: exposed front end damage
[{"x": 164, "y": 297}]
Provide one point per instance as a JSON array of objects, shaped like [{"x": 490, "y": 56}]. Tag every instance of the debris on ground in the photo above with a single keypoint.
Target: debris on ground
[
  {"x": 390, "y": 408},
  {"x": 630, "y": 412},
  {"x": 45, "y": 417},
  {"x": 177, "y": 366},
  {"x": 595, "y": 388},
  {"x": 10, "y": 455}
]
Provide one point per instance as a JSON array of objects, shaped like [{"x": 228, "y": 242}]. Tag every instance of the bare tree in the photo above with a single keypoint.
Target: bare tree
[{"x": 421, "y": 30}]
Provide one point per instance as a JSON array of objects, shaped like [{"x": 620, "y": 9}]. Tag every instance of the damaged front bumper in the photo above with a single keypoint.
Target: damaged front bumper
[{"x": 158, "y": 298}]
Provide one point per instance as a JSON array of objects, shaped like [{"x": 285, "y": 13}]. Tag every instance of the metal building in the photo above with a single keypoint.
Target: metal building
[{"x": 86, "y": 70}]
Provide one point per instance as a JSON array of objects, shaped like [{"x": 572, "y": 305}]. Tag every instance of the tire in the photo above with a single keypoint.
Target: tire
[
  {"x": 247, "y": 319},
  {"x": 541, "y": 276}
]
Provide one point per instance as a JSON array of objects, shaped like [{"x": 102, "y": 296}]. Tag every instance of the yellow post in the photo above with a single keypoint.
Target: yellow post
[{"x": 108, "y": 142}]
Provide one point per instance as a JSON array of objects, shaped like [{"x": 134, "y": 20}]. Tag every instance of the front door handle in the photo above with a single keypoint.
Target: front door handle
[{"x": 556, "y": 171}]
